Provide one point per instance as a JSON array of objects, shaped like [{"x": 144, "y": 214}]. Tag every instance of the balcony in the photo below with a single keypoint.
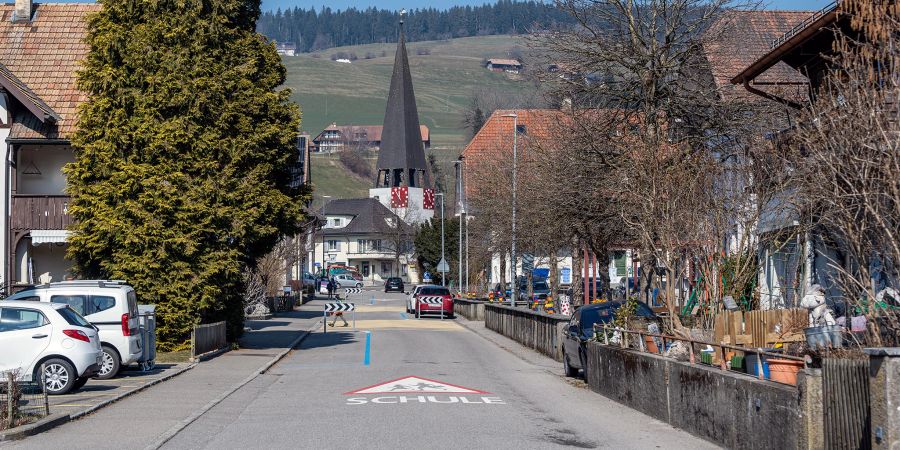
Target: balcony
[{"x": 40, "y": 212}]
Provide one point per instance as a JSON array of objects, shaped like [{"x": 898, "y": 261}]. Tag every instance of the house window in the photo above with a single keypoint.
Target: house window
[
  {"x": 362, "y": 245},
  {"x": 621, "y": 263},
  {"x": 386, "y": 268},
  {"x": 376, "y": 245},
  {"x": 334, "y": 246},
  {"x": 337, "y": 223}
]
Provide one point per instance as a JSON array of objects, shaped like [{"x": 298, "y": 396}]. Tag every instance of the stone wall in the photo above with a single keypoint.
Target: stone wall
[{"x": 732, "y": 410}]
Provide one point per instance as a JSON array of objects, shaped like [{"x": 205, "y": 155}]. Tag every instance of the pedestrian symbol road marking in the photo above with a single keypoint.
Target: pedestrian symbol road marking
[{"x": 415, "y": 385}]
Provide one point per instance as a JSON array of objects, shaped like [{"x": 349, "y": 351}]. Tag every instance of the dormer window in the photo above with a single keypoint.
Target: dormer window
[{"x": 336, "y": 223}]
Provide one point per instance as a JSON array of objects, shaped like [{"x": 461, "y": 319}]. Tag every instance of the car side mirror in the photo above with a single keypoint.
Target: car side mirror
[{"x": 573, "y": 329}]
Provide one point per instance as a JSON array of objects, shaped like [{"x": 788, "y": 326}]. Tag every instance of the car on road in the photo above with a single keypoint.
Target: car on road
[
  {"x": 393, "y": 284},
  {"x": 581, "y": 328},
  {"x": 111, "y": 306},
  {"x": 346, "y": 280},
  {"x": 421, "y": 307},
  {"x": 309, "y": 283},
  {"x": 52, "y": 336},
  {"x": 540, "y": 291}
]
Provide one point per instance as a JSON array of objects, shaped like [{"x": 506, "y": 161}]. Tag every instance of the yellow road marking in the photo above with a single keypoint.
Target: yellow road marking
[
  {"x": 412, "y": 324},
  {"x": 371, "y": 308}
]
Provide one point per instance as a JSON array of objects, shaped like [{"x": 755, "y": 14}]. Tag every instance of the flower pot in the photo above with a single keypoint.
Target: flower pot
[
  {"x": 784, "y": 370},
  {"x": 651, "y": 344},
  {"x": 826, "y": 336}
]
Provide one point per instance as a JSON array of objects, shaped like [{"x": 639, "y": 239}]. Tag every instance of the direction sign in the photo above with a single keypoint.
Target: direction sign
[
  {"x": 339, "y": 307},
  {"x": 443, "y": 267}
]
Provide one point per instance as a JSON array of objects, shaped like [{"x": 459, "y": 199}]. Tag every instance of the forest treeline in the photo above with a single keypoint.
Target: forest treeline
[{"x": 313, "y": 30}]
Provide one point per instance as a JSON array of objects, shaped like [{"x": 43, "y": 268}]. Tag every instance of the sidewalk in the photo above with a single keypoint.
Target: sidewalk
[{"x": 141, "y": 419}]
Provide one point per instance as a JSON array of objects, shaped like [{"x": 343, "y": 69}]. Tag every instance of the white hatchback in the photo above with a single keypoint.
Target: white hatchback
[
  {"x": 52, "y": 336},
  {"x": 111, "y": 306}
]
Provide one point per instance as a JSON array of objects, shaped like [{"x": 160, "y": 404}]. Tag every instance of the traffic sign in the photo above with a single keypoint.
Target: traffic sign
[
  {"x": 443, "y": 267},
  {"x": 339, "y": 307},
  {"x": 349, "y": 291}
]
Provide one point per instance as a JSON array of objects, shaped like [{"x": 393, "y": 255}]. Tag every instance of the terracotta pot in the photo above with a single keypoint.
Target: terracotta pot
[
  {"x": 651, "y": 344},
  {"x": 784, "y": 370}
]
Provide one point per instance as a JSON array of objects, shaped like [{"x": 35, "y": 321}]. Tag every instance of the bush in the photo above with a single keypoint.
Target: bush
[{"x": 357, "y": 164}]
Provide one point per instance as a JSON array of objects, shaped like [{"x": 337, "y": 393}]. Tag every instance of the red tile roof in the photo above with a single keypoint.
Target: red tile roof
[
  {"x": 372, "y": 132},
  {"x": 742, "y": 37},
  {"x": 44, "y": 56}
]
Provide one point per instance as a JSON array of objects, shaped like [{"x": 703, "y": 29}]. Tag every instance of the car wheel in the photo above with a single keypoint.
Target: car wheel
[
  {"x": 59, "y": 376},
  {"x": 359, "y": 285},
  {"x": 79, "y": 383},
  {"x": 569, "y": 370},
  {"x": 109, "y": 363},
  {"x": 337, "y": 285},
  {"x": 583, "y": 360}
]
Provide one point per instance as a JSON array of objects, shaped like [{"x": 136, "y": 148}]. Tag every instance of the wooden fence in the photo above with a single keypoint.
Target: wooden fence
[
  {"x": 470, "y": 309},
  {"x": 537, "y": 330},
  {"x": 760, "y": 328},
  {"x": 207, "y": 338}
]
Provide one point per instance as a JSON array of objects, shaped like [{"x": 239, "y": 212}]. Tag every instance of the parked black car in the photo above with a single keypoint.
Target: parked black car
[
  {"x": 393, "y": 284},
  {"x": 581, "y": 328}
]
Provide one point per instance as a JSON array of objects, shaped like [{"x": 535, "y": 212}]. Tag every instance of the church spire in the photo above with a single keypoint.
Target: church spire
[{"x": 401, "y": 159}]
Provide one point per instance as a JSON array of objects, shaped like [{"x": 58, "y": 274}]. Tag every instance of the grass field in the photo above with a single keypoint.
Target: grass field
[
  {"x": 444, "y": 83},
  {"x": 355, "y": 94}
]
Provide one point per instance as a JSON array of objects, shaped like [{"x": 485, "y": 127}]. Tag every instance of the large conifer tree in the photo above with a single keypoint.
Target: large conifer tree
[{"x": 182, "y": 172}]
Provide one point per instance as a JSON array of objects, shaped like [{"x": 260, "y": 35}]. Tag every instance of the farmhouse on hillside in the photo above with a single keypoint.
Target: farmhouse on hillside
[
  {"x": 335, "y": 138},
  {"x": 504, "y": 65},
  {"x": 286, "y": 48}
]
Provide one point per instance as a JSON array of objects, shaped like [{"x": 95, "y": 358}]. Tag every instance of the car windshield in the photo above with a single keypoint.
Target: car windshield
[
  {"x": 605, "y": 315},
  {"x": 541, "y": 286},
  {"x": 434, "y": 291},
  {"x": 73, "y": 317}
]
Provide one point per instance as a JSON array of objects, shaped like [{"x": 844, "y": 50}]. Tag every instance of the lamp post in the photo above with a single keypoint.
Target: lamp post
[
  {"x": 462, "y": 210},
  {"x": 324, "y": 223},
  {"x": 443, "y": 274},
  {"x": 515, "y": 277}
]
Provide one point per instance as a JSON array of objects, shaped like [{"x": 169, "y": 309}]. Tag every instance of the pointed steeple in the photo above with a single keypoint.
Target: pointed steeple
[{"x": 401, "y": 159}]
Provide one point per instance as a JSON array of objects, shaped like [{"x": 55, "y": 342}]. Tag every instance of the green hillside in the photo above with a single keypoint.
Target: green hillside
[{"x": 445, "y": 81}]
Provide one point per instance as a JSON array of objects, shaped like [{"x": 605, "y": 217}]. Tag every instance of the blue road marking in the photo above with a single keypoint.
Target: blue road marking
[
  {"x": 403, "y": 315},
  {"x": 368, "y": 348}
]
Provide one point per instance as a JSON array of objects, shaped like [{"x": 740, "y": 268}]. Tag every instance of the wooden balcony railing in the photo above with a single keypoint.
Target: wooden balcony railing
[{"x": 40, "y": 212}]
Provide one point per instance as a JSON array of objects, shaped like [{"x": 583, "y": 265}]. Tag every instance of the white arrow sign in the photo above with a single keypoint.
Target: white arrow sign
[{"x": 443, "y": 267}]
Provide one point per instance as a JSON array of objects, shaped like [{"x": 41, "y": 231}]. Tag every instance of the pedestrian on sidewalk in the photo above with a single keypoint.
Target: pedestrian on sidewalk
[
  {"x": 340, "y": 315},
  {"x": 331, "y": 286}
]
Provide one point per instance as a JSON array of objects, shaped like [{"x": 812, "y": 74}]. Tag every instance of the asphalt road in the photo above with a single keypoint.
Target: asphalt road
[{"x": 468, "y": 393}]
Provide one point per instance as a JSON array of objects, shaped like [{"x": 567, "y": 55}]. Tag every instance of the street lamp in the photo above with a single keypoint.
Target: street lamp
[
  {"x": 515, "y": 275},
  {"x": 443, "y": 274},
  {"x": 462, "y": 210},
  {"x": 324, "y": 223}
]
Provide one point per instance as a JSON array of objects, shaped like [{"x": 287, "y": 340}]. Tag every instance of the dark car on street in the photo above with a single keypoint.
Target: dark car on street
[
  {"x": 393, "y": 284},
  {"x": 581, "y": 328}
]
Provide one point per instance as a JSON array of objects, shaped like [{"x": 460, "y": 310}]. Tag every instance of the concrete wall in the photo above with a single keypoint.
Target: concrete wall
[
  {"x": 732, "y": 410},
  {"x": 470, "y": 309},
  {"x": 884, "y": 389}
]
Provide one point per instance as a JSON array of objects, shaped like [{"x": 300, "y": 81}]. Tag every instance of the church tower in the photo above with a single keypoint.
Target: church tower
[{"x": 403, "y": 182}]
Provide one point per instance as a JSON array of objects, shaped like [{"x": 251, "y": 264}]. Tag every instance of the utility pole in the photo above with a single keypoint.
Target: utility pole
[
  {"x": 324, "y": 223},
  {"x": 515, "y": 276},
  {"x": 443, "y": 274},
  {"x": 461, "y": 212}
]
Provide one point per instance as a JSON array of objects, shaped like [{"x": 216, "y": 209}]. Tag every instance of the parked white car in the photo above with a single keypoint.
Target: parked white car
[
  {"x": 111, "y": 306},
  {"x": 345, "y": 280},
  {"x": 52, "y": 336}
]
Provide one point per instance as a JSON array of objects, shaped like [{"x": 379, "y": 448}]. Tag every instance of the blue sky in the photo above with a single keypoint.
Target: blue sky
[{"x": 398, "y": 4}]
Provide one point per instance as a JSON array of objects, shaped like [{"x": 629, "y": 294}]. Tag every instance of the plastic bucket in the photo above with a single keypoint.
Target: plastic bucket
[
  {"x": 750, "y": 363},
  {"x": 784, "y": 370},
  {"x": 826, "y": 336}
]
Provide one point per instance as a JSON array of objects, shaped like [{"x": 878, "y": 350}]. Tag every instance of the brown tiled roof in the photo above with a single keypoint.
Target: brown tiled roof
[
  {"x": 742, "y": 37},
  {"x": 372, "y": 132},
  {"x": 44, "y": 55},
  {"x": 504, "y": 62}
]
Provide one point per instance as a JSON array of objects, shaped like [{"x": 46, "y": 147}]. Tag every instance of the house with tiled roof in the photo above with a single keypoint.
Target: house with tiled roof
[
  {"x": 365, "y": 234},
  {"x": 504, "y": 65},
  {"x": 41, "y": 46},
  {"x": 335, "y": 138}
]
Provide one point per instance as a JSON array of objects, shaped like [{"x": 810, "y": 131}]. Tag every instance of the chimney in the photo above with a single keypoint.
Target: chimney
[{"x": 23, "y": 11}]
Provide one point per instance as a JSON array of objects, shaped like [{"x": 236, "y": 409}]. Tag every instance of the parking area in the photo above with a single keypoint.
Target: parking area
[{"x": 96, "y": 392}]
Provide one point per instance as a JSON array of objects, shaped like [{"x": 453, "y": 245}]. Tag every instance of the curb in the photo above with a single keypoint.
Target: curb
[
  {"x": 55, "y": 420},
  {"x": 210, "y": 355},
  {"x": 172, "y": 432}
]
